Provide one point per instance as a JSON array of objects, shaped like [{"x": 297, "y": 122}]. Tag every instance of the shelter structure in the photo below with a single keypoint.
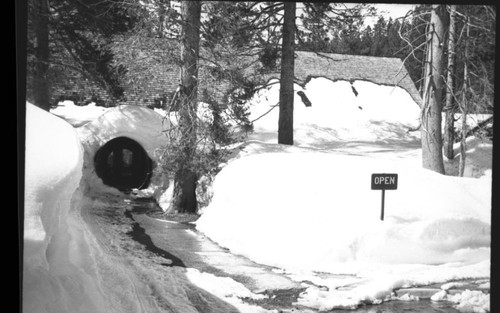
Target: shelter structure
[
  {"x": 163, "y": 78},
  {"x": 378, "y": 70}
]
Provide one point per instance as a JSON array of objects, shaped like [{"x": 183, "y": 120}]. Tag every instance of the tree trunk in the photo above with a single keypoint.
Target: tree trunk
[
  {"x": 184, "y": 195},
  {"x": 285, "y": 122},
  {"x": 40, "y": 81},
  {"x": 449, "y": 129},
  {"x": 464, "y": 105},
  {"x": 432, "y": 145}
]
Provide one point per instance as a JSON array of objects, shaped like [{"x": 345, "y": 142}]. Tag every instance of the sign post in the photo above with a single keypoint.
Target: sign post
[{"x": 384, "y": 182}]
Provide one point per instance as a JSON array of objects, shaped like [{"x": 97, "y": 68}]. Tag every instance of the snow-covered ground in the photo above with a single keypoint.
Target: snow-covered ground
[
  {"x": 306, "y": 209},
  {"x": 309, "y": 208}
]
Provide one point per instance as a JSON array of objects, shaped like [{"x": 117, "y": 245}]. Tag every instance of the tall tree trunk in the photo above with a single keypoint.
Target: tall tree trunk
[
  {"x": 184, "y": 195},
  {"x": 163, "y": 6},
  {"x": 285, "y": 122},
  {"x": 464, "y": 105},
  {"x": 449, "y": 128},
  {"x": 432, "y": 145},
  {"x": 40, "y": 81}
]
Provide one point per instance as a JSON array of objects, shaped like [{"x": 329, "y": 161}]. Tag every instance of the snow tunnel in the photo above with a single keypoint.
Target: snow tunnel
[{"x": 124, "y": 164}]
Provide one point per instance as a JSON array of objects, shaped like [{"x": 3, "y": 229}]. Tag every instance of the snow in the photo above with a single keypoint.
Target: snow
[
  {"x": 473, "y": 120},
  {"x": 306, "y": 209},
  {"x": 377, "y": 113},
  {"x": 53, "y": 172},
  {"x": 53, "y": 166},
  {"x": 471, "y": 301},
  {"x": 451, "y": 285},
  {"x": 309, "y": 208},
  {"x": 78, "y": 115},
  {"x": 408, "y": 297},
  {"x": 227, "y": 289},
  {"x": 478, "y": 160},
  {"x": 140, "y": 124}
]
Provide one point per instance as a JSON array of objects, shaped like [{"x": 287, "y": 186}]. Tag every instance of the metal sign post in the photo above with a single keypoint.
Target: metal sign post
[{"x": 384, "y": 182}]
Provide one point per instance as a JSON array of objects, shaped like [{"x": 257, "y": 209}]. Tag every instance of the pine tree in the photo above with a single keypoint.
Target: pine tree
[
  {"x": 285, "y": 122},
  {"x": 184, "y": 197},
  {"x": 77, "y": 34}
]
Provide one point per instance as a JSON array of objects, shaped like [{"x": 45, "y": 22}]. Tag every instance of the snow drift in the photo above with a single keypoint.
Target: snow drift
[
  {"x": 48, "y": 171},
  {"x": 317, "y": 212},
  {"x": 309, "y": 208},
  {"x": 54, "y": 158}
]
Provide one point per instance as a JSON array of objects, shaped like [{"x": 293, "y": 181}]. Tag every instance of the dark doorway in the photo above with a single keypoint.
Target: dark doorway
[{"x": 124, "y": 164}]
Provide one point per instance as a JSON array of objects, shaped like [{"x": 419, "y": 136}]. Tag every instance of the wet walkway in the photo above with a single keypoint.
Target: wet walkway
[{"x": 183, "y": 242}]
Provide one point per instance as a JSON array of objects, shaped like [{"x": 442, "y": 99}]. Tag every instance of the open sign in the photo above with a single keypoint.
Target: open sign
[{"x": 384, "y": 181}]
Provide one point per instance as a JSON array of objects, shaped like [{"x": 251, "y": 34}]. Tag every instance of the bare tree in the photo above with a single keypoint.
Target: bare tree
[{"x": 432, "y": 153}]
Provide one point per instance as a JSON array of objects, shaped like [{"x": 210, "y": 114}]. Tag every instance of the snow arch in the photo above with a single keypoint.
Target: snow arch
[{"x": 121, "y": 147}]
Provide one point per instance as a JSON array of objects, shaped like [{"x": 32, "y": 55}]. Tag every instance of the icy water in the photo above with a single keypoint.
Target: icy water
[{"x": 423, "y": 306}]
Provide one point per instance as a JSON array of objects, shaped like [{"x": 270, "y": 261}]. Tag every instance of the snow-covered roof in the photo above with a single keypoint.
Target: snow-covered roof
[
  {"x": 379, "y": 70},
  {"x": 164, "y": 76}
]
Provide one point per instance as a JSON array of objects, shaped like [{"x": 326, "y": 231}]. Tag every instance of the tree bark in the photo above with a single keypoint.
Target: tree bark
[
  {"x": 464, "y": 106},
  {"x": 285, "y": 121},
  {"x": 40, "y": 81},
  {"x": 432, "y": 145},
  {"x": 449, "y": 129},
  {"x": 184, "y": 195}
]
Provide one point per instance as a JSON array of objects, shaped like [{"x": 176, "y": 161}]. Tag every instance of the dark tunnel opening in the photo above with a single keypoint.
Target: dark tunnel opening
[{"x": 124, "y": 164}]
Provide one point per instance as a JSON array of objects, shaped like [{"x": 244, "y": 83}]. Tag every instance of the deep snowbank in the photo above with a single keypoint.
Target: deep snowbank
[
  {"x": 53, "y": 280},
  {"x": 280, "y": 190},
  {"x": 49, "y": 172},
  {"x": 317, "y": 212}
]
